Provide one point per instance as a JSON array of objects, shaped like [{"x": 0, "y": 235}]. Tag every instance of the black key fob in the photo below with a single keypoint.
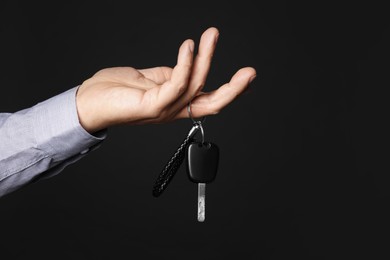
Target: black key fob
[{"x": 202, "y": 162}]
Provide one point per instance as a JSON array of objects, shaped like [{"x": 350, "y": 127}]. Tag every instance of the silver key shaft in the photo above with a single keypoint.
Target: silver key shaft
[{"x": 201, "y": 201}]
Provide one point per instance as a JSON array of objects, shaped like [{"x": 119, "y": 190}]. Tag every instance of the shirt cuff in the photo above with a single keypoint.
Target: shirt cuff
[{"x": 57, "y": 128}]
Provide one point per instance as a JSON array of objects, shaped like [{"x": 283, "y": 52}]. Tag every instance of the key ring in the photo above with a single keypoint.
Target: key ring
[
  {"x": 190, "y": 114},
  {"x": 197, "y": 123}
]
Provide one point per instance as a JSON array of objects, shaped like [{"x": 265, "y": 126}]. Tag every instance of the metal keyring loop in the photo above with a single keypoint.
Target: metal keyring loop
[
  {"x": 190, "y": 115},
  {"x": 201, "y": 130},
  {"x": 197, "y": 123}
]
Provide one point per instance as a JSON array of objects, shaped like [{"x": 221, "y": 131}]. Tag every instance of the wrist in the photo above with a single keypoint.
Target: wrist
[{"x": 85, "y": 114}]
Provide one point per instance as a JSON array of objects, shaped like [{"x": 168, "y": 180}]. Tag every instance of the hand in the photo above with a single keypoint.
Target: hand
[{"x": 125, "y": 95}]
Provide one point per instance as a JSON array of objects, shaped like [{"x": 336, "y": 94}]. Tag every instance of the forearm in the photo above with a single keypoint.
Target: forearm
[{"x": 41, "y": 139}]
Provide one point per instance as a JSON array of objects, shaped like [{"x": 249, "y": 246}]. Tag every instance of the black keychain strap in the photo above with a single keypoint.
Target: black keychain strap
[
  {"x": 170, "y": 169},
  {"x": 173, "y": 165}
]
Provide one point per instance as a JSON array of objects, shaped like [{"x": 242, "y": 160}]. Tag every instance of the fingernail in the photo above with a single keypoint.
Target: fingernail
[
  {"x": 191, "y": 47},
  {"x": 252, "y": 78}
]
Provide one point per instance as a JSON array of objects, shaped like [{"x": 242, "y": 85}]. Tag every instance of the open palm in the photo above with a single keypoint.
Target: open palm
[{"x": 125, "y": 95}]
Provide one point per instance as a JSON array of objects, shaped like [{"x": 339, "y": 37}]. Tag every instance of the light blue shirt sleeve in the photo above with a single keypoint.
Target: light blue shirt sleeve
[{"x": 40, "y": 141}]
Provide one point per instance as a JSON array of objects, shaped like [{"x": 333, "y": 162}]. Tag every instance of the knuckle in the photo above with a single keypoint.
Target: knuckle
[
  {"x": 101, "y": 72},
  {"x": 155, "y": 113},
  {"x": 181, "y": 89},
  {"x": 198, "y": 86},
  {"x": 214, "y": 110},
  {"x": 213, "y": 107},
  {"x": 159, "y": 114}
]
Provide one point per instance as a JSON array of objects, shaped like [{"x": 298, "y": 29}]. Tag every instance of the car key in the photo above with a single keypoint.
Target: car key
[{"x": 202, "y": 166}]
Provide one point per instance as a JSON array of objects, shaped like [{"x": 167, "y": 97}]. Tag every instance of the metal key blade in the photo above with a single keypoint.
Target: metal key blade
[{"x": 201, "y": 201}]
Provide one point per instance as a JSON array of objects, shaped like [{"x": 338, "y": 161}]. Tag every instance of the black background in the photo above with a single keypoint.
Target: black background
[{"x": 303, "y": 164}]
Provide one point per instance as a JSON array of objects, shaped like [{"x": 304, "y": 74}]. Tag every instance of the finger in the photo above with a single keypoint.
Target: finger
[
  {"x": 158, "y": 74},
  {"x": 213, "y": 102},
  {"x": 201, "y": 65},
  {"x": 171, "y": 90}
]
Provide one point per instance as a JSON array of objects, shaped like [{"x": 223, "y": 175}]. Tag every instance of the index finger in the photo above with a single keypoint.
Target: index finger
[{"x": 171, "y": 90}]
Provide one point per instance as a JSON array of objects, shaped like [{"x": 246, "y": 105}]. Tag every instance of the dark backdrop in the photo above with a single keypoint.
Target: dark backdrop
[{"x": 301, "y": 171}]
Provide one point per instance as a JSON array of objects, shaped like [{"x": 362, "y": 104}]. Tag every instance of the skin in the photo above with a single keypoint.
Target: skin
[{"x": 125, "y": 95}]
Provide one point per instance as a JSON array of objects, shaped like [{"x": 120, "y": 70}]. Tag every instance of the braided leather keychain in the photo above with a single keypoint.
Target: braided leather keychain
[{"x": 170, "y": 169}]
